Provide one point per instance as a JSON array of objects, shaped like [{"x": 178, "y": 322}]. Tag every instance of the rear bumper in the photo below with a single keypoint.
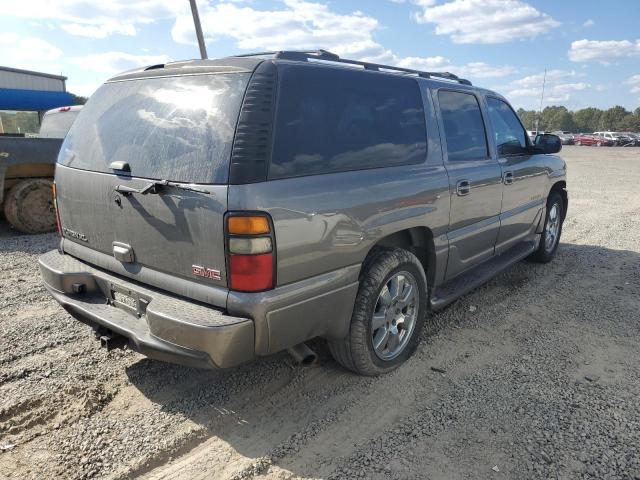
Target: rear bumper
[
  {"x": 157, "y": 325},
  {"x": 178, "y": 330}
]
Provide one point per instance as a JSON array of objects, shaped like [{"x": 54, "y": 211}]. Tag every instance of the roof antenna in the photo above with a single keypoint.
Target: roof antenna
[{"x": 196, "y": 22}]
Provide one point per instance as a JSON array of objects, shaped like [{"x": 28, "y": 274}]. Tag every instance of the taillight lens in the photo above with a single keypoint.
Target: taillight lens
[
  {"x": 250, "y": 246},
  {"x": 248, "y": 225},
  {"x": 250, "y": 253},
  {"x": 55, "y": 207},
  {"x": 251, "y": 273}
]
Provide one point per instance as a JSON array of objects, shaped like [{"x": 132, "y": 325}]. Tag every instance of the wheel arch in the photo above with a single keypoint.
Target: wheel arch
[
  {"x": 417, "y": 240},
  {"x": 561, "y": 189}
]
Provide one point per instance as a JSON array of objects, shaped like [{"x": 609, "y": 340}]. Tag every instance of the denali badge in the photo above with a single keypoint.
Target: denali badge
[
  {"x": 72, "y": 234},
  {"x": 205, "y": 272}
]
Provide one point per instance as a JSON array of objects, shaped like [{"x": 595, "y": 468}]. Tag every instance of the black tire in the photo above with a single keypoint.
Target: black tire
[
  {"x": 28, "y": 206},
  {"x": 544, "y": 254},
  {"x": 356, "y": 352}
]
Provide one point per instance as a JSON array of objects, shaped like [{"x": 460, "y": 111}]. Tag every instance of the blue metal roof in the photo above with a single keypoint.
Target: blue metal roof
[{"x": 14, "y": 99}]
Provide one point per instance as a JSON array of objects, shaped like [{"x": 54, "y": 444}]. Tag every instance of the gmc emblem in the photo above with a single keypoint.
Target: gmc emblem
[{"x": 205, "y": 272}]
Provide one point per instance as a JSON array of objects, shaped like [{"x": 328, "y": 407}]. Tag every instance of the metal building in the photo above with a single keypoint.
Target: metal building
[{"x": 32, "y": 91}]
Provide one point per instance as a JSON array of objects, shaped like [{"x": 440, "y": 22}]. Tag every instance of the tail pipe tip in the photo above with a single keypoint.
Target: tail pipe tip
[{"x": 302, "y": 354}]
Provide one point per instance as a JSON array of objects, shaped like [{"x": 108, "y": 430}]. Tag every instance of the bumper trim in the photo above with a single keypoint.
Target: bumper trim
[
  {"x": 165, "y": 328},
  {"x": 140, "y": 341}
]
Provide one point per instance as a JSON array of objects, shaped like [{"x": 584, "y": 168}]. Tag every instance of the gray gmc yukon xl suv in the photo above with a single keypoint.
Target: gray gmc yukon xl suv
[{"x": 212, "y": 211}]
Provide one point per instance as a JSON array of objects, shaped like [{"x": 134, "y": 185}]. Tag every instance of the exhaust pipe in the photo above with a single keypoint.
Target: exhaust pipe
[{"x": 302, "y": 354}]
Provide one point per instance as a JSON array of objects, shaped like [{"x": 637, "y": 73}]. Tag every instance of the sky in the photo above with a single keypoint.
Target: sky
[{"x": 590, "y": 49}]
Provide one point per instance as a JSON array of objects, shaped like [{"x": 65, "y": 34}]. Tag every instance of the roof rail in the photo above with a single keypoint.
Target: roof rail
[{"x": 324, "y": 55}]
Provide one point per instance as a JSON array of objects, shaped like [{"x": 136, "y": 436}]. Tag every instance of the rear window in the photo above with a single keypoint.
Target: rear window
[
  {"x": 57, "y": 124},
  {"x": 331, "y": 120},
  {"x": 174, "y": 128}
]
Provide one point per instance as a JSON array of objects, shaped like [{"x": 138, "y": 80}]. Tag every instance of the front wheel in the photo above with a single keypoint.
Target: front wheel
[
  {"x": 550, "y": 238},
  {"x": 388, "y": 314}
]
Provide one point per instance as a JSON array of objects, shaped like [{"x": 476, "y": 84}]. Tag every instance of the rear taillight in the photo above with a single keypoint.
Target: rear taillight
[
  {"x": 55, "y": 207},
  {"x": 250, "y": 248}
]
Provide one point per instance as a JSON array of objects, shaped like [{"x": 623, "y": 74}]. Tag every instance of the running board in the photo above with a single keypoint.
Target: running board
[{"x": 476, "y": 276}]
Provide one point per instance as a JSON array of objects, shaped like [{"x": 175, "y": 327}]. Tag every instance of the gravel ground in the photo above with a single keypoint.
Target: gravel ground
[{"x": 535, "y": 375}]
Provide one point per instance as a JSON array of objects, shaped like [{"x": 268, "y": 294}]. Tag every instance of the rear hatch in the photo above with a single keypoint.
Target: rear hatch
[{"x": 130, "y": 135}]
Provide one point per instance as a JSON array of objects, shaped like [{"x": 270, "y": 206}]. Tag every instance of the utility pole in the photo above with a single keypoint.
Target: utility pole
[
  {"x": 544, "y": 81},
  {"x": 196, "y": 22}
]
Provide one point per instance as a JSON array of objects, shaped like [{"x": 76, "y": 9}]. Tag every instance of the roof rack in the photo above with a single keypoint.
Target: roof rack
[{"x": 324, "y": 55}]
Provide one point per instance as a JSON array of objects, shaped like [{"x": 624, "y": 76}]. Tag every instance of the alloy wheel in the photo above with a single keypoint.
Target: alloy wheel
[
  {"x": 395, "y": 315},
  {"x": 552, "y": 229}
]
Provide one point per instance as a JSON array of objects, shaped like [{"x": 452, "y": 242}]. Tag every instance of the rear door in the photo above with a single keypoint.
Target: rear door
[
  {"x": 524, "y": 176},
  {"x": 474, "y": 181},
  {"x": 130, "y": 134}
]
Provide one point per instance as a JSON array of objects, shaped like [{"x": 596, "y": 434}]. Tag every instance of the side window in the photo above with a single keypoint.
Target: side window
[
  {"x": 509, "y": 134},
  {"x": 331, "y": 120},
  {"x": 463, "y": 126}
]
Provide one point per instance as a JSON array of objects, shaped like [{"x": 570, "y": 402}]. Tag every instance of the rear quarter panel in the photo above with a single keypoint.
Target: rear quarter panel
[{"x": 326, "y": 222}]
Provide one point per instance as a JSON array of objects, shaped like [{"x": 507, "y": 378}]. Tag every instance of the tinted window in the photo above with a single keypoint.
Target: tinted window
[
  {"x": 463, "y": 126},
  {"x": 175, "y": 128},
  {"x": 509, "y": 134},
  {"x": 56, "y": 125},
  {"x": 331, "y": 119}
]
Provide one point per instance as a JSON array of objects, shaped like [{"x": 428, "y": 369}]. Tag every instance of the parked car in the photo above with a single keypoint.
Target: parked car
[
  {"x": 565, "y": 137},
  {"x": 216, "y": 210},
  {"x": 592, "y": 140},
  {"x": 26, "y": 172},
  {"x": 617, "y": 138},
  {"x": 625, "y": 139},
  {"x": 532, "y": 134},
  {"x": 635, "y": 138}
]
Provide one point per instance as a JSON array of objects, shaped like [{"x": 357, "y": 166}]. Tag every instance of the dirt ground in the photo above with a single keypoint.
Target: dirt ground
[{"x": 541, "y": 377}]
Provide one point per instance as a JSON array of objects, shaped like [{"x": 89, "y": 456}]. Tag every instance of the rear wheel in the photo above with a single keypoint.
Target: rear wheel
[
  {"x": 388, "y": 314},
  {"x": 28, "y": 206},
  {"x": 552, "y": 230}
]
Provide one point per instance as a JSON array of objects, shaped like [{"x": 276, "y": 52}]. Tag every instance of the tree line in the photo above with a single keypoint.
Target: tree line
[{"x": 586, "y": 120}]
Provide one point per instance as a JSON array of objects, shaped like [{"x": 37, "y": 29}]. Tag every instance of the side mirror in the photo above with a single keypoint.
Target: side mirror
[{"x": 548, "y": 143}]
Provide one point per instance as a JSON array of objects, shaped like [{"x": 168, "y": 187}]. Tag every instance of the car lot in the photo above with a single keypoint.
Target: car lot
[{"x": 534, "y": 375}]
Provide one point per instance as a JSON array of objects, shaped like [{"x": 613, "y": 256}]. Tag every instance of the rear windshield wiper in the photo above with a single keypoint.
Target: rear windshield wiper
[{"x": 156, "y": 185}]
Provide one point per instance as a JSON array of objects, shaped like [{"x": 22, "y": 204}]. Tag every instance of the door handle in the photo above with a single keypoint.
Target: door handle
[
  {"x": 507, "y": 178},
  {"x": 463, "y": 187}
]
